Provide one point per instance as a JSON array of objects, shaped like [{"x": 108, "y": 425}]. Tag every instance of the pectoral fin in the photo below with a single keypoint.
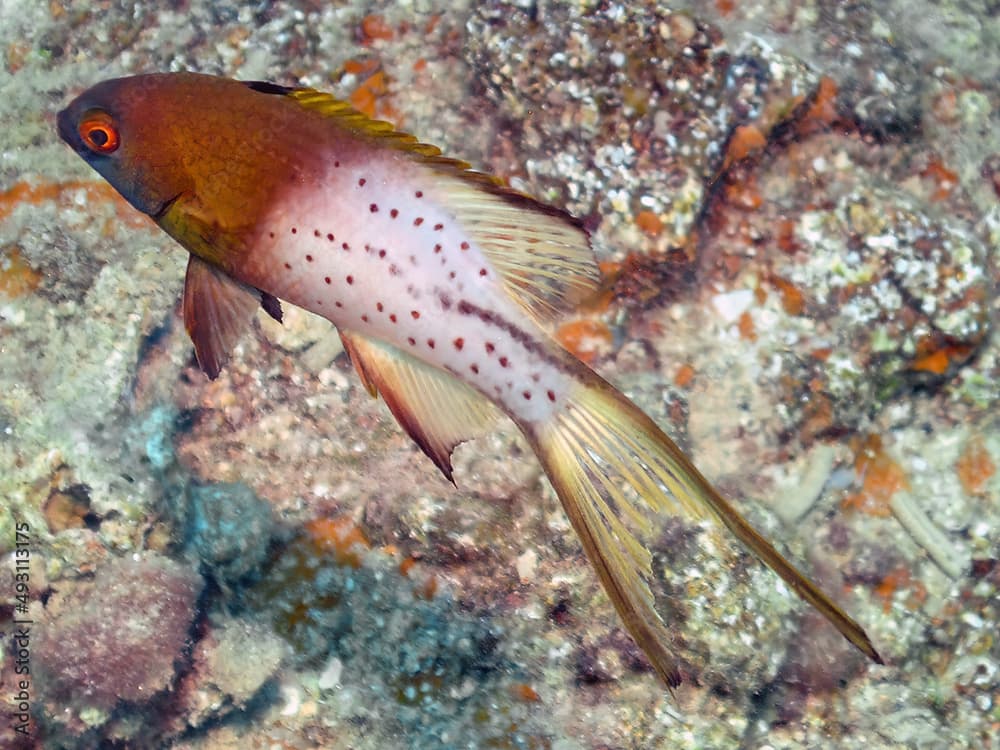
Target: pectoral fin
[
  {"x": 436, "y": 410},
  {"x": 217, "y": 309}
]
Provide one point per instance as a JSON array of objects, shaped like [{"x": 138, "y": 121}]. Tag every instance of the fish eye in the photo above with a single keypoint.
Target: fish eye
[{"x": 98, "y": 132}]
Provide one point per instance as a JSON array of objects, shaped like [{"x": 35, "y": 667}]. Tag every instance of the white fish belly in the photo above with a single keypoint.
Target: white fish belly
[{"x": 376, "y": 254}]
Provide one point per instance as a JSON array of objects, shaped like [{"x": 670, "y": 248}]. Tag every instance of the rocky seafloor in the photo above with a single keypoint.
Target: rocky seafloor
[{"x": 795, "y": 206}]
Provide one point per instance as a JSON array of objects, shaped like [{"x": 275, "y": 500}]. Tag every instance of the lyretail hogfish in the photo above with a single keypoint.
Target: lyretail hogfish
[{"x": 441, "y": 281}]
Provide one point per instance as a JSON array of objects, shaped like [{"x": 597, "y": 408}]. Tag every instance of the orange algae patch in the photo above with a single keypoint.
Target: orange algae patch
[
  {"x": 746, "y": 327},
  {"x": 725, "y": 7},
  {"x": 96, "y": 192},
  {"x": 935, "y": 362},
  {"x": 370, "y": 95},
  {"x": 792, "y": 300},
  {"x": 822, "y": 111},
  {"x": 684, "y": 375},
  {"x": 24, "y": 192},
  {"x": 649, "y": 223},
  {"x": 365, "y": 97},
  {"x": 744, "y": 194},
  {"x": 339, "y": 537},
  {"x": 936, "y": 356},
  {"x": 522, "y": 691},
  {"x": 881, "y": 478},
  {"x": 361, "y": 67},
  {"x": 785, "y": 237},
  {"x": 374, "y": 27},
  {"x": 583, "y": 338},
  {"x": 17, "y": 278},
  {"x": 975, "y": 466},
  {"x": 945, "y": 179},
  {"x": 897, "y": 579},
  {"x": 746, "y": 140},
  {"x": 425, "y": 584}
]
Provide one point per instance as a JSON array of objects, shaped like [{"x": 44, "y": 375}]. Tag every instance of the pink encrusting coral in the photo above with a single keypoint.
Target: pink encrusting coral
[{"x": 118, "y": 637}]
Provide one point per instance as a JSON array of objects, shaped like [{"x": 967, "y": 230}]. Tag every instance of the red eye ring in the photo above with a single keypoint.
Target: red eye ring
[{"x": 99, "y": 133}]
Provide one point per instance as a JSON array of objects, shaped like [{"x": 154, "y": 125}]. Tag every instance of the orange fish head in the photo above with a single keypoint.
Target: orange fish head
[{"x": 121, "y": 127}]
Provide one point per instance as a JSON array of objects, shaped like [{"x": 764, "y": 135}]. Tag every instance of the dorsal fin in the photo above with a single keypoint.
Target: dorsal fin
[{"x": 542, "y": 253}]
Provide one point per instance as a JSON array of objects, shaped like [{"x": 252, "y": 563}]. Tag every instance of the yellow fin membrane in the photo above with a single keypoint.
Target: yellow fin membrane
[
  {"x": 614, "y": 470},
  {"x": 437, "y": 411}
]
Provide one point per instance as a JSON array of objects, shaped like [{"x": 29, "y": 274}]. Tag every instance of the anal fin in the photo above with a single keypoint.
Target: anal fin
[{"x": 437, "y": 411}]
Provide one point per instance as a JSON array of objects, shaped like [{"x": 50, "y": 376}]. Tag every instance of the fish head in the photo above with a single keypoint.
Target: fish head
[{"x": 132, "y": 131}]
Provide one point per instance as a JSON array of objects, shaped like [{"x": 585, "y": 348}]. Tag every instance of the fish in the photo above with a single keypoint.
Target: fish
[{"x": 443, "y": 283}]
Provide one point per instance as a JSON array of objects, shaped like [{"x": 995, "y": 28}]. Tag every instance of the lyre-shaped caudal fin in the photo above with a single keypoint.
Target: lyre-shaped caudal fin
[{"x": 614, "y": 471}]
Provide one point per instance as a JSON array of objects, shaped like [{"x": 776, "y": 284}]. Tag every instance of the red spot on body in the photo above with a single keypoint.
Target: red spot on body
[
  {"x": 430, "y": 343},
  {"x": 490, "y": 348},
  {"x": 294, "y": 230},
  {"x": 394, "y": 213},
  {"x": 364, "y": 318},
  {"x": 459, "y": 343},
  {"x": 418, "y": 221},
  {"x": 393, "y": 317},
  {"x": 503, "y": 362},
  {"x": 419, "y": 194},
  {"x": 474, "y": 368},
  {"x": 361, "y": 182},
  {"x": 464, "y": 246},
  {"x": 271, "y": 235},
  {"x": 482, "y": 271},
  {"x": 381, "y": 253},
  {"x": 451, "y": 274},
  {"x": 438, "y": 227},
  {"x": 288, "y": 266},
  {"x": 527, "y": 395},
  {"x": 315, "y": 233},
  {"x": 378, "y": 306},
  {"x": 411, "y": 341},
  {"x": 338, "y": 303},
  {"x": 326, "y": 279},
  {"x": 373, "y": 208},
  {"x": 345, "y": 246},
  {"x": 309, "y": 258},
  {"x": 551, "y": 395},
  {"x": 437, "y": 248},
  {"x": 330, "y": 237},
  {"x": 414, "y": 314},
  {"x": 350, "y": 279}
]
